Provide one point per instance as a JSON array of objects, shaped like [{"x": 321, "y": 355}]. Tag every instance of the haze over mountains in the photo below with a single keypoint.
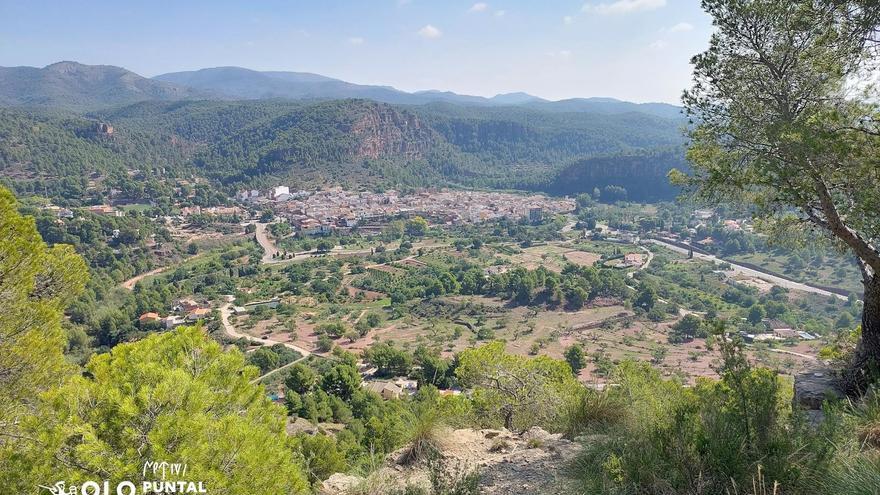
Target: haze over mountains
[
  {"x": 75, "y": 86},
  {"x": 242, "y": 128}
]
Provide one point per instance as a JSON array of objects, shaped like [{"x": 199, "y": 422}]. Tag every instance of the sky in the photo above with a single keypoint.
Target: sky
[{"x": 634, "y": 50}]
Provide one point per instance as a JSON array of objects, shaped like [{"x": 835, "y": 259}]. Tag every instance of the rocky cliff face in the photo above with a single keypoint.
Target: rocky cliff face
[{"x": 384, "y": 132}]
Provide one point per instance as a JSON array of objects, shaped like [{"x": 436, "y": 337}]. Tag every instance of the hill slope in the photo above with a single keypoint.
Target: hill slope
[
  {"x": 74, "y": 86},
  {"x": 362, "y": 143},
  {"x": 70, "y": 157}
]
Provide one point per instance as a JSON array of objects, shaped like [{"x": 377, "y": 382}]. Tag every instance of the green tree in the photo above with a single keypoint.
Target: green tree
[
  {"x": 756, "y": 314},
  {"x": 647, "y": 296},
  {"x": 780, "y": 129},
  {"x": 417, "y": 227},
  {"x": 300, "y": 379},
  {"x": 342, "y": 380},
  {"x": 389, "y": 360},
  {"x": 36, "y": 283},
  {"x": 175, "y": 395},
  {"x": 575, "y": 357},
  {"x": 265, "y": 359},
  {"x": 321, "y": 456},
  {"x": 515, "y": 391},
  {"x": 687, "y": 329}
]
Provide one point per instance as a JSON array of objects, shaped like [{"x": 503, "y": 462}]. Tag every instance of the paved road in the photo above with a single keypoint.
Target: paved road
[{"x": 742, "y": 270}]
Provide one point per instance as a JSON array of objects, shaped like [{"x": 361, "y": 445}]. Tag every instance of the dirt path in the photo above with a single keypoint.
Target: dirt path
[
  {"x": 276, "y": 370},
  {"x": 792, "y": 353},
  {"x": 130, "y": 283},
  {"x": 269, "y": 248},
  {"x": 226, "y": 311}
]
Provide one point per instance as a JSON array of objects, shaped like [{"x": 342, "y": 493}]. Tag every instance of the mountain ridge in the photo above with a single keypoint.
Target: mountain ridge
[{"x": 75, "y": 86}]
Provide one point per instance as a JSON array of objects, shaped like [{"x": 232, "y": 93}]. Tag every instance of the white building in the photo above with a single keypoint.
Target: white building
[{"x": 279, "y": 190}]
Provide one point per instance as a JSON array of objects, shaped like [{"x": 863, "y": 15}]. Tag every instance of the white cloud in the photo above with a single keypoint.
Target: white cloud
[
  {"x": 624, "y": 6},
  {"x": 567, "y": 19},
  {"x": 356, "y": 40},
  {"x": 430, "y": 31},
  {"x": 658, "y": 45},
  {"x": 479, "y": 7},
  {"x": 561, "y": 54},
  {"x": 681, "y": 27},
  {"x": 500, "y": 13}
]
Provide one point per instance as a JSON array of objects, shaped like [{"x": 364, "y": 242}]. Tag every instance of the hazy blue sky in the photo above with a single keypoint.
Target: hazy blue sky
[{"x": 636, "y": 50}]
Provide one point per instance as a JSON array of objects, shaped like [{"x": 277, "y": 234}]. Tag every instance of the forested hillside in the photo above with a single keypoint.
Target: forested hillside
[
  {"x": 356, "y": 143},
  {"x": 72, "y": 157}
]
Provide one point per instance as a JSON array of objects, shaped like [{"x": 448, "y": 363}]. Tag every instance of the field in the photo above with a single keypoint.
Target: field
[
  {"x": 832, "y": 272},
  {"x": 408, "y": 292}
]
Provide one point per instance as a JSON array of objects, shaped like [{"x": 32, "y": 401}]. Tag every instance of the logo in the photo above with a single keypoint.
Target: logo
[
  {"x": 160, "y": 478},
  {"x": 58, "y": 489}
]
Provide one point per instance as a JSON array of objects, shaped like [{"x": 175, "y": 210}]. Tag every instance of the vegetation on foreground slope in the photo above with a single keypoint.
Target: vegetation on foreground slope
[
  {"x": 174, "y": 394},
  {"x": 781, "y": 129}
]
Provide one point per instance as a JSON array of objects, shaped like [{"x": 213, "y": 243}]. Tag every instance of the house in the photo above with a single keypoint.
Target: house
[
  {"x": 190, "y": 210},
  {"x": 786, "y": 333},
  {"x": 279, "y": 190},
  {"x": 239, "y": 310},
  {"x": 186, "y": 305},
  {"x": 705, "y": 242},
  {"x": 632, "y": 259},
  {"x": 148, "y": 318},
  {"x": 732, "y": 226},
  {"x": 60, "y": 212},
  {"x": 406, "y": 385},
  {"x": 386, "y": 390},
  {"x": 496, "y": 270},
  {"x": 105, "y": 210},
  {"x": 198, "y": 314},
  {"x": 704, "y": 214},
  {"x": 173, "y": 321},
  {"x": 774, "y": 325}
]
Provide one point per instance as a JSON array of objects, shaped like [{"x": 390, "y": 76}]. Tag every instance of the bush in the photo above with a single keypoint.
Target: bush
[
  {"x": 712, "y": 438},
  {"x": 424, "y": 437}
]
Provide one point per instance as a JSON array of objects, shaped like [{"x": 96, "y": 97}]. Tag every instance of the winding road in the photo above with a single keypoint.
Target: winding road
[
  {"x": 130, "y": 283},
  {"x": 269, "y": 249},
  {"x": 226, "y": 311}
]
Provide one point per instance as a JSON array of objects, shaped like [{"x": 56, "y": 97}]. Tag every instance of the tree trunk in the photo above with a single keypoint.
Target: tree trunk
[{"x": 865, "y": 367}]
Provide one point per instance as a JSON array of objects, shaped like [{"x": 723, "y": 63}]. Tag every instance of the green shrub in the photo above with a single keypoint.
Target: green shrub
[{"x": 715, "y": 437}]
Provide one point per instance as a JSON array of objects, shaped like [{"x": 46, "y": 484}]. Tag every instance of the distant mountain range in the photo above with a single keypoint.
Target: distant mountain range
[
  {"x": 244, "y": 128},
  {"x": 74, "y": 86},
  {"x": 79, "y": 87}
]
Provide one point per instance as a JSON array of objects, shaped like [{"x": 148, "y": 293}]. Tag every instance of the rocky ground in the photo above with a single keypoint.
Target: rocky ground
[{"x": 506, "y": 463}]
